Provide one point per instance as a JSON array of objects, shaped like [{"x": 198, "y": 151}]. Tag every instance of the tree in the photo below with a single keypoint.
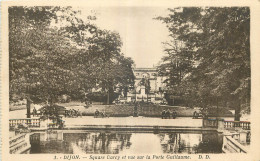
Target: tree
[
  {"x": 111, "y": 69},
  {"x": 216, "y": 48},
  {"x": 54, "y": 52},
  {"x": 38, "y": 52},
  {"x": 36, "y": 63}
]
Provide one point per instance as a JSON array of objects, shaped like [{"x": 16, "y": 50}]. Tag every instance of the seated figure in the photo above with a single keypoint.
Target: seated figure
[
  {"x": 96, "y": 113},
  {"x": 195, "y": 115}
]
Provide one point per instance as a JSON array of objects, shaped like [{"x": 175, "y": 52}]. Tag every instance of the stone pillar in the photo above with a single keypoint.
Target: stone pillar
[
  {"x": 43, "y": 124},
  {"x": 221, "y": 127},
  {"x": 242, "y": 136},
  {"x": 60, "y": 135}
]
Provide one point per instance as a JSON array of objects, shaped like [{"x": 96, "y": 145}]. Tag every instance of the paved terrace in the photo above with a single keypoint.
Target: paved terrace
[
  {"x": 130, "y": 121},
  {"x": 134, "y": 124}
]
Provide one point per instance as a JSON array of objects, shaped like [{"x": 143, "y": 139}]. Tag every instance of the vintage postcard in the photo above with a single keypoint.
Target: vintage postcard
[{"x": 130, "y": 80}]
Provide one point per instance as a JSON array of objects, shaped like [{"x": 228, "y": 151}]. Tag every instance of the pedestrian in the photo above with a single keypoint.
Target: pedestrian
[
  {"x": 74, "y": 113},
  {"x": 195, "y": 115},
  {"x": 34, "y": 111},
  {"x": 102, "y": 114}
]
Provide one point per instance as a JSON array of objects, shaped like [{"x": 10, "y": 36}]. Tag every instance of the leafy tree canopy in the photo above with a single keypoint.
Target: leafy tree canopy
[
  {"x": 207, "y": 59},
  {"x": 53, "y": 52}
]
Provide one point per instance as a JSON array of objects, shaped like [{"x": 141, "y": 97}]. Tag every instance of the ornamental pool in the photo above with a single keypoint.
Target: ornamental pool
[{"x": 115, "y": 142}]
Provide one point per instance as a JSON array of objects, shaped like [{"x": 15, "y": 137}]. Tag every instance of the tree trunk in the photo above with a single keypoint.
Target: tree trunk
[
  {"x": 217, "y": 109},
  {"x": 237, "y": 112},
  {"x": 28, "y": 106}
]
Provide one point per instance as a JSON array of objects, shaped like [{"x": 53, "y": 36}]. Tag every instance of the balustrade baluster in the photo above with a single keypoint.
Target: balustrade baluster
[{"x": 29, "y": 122}]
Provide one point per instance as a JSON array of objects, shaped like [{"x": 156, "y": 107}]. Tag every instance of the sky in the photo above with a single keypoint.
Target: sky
[{"x": 142, "y": 36}]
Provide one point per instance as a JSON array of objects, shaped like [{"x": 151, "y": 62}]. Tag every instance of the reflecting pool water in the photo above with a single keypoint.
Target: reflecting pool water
[{"x": 94, "y": 142}]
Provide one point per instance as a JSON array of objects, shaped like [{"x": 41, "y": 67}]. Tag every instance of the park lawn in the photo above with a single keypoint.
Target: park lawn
[
  {"x": 16, "y": 107},
  {"x": 124, "y": 110}
]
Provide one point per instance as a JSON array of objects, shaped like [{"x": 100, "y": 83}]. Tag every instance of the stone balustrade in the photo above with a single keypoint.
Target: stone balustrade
[
  {"x": 19, "y": 144},
  {"x": 216, "y": 123},
  {"x": 211, "y": 123},
  {"x": 28, "y": 121},
  {"x": 245, "y": 125},
  {"x": 231, "y": 145}
]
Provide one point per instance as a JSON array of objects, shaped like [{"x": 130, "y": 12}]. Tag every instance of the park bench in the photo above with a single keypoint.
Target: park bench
[
  {"x": 197, "y": 115},
  {"x": 103, "y": 115}
]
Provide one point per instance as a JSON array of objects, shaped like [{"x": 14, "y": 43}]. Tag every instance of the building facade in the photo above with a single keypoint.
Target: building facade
[
  {"x": 156, "y": 82},
  {"x": 139, "y": 93}
]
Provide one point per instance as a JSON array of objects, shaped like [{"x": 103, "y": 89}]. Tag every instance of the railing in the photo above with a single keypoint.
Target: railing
[
  {"x": 245, "y": 125},
  {"x": 28, "y": 121},
  {"x": 35, "y": 138},
  {"x": 19, "y": 144},
  {"x": 16, "y": 139},
  {"x": 212, "y": 123},
  {"x": 230, "y": 145}
]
